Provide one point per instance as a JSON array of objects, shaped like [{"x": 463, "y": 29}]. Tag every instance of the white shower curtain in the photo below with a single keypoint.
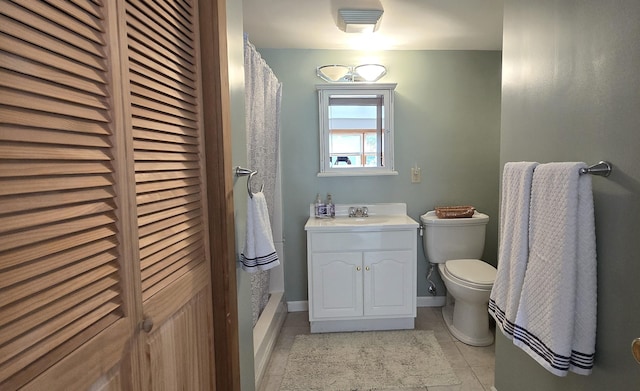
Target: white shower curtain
[{"x": 263, "y": 94}]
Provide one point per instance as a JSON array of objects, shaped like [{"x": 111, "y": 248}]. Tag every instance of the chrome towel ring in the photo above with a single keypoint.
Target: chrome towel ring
[{"x": 240, "y": 171}]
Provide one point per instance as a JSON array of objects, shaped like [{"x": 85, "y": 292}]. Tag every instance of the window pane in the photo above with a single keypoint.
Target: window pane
[
  {"x": 353, "y": 117},
  {"x": 371, "y": 161},
  {"x": 346, "y": 143},
  {"x": 345, "y": 161},
  {"x": 371, "y": 142}
]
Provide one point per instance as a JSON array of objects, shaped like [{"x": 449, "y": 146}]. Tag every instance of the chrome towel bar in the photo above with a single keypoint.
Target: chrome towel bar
[{"x": 603, "y": 168}]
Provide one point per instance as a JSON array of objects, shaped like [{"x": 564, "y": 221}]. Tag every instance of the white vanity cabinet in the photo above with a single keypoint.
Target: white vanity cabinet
[
  {"x": 361, "y": 277},
  {"x": 362, "y": 284}
]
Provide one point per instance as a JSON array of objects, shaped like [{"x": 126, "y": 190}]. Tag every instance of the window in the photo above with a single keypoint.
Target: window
[{"x": 356, "y": 129}]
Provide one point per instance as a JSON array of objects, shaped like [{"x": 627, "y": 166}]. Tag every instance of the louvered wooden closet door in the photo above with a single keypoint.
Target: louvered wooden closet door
[
  {"x": 64, "y": 310},
  {"x": 102, "y": 200},
  {"x": 166, "y": 127}
]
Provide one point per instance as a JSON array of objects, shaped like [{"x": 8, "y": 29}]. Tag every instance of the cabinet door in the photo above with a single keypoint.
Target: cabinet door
[
  {"x": 336, "y": 285},
  {"x": 389, "y": 283}
]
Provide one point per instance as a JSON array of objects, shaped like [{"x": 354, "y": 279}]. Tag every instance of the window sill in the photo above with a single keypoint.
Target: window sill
[{"x": 356, "y": 172}]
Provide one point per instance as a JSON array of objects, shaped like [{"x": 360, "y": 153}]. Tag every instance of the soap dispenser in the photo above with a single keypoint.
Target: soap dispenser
[
  {"x": 331, "y": 208},
  {"x": 320, "y": 207}
]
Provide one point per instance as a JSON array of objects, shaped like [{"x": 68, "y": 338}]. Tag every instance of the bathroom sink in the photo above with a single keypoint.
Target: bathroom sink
[{"x": 371, "y": 220}]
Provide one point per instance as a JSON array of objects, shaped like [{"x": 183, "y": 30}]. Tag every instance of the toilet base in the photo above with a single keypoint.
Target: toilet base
[{"x": 481, "y": 338}]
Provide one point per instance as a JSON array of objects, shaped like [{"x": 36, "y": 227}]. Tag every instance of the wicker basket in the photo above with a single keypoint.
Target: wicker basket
[{"x": 454, "y": 212}]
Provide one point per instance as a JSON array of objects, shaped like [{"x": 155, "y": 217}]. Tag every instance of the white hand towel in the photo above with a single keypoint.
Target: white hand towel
[
  {"x": 259, "y": 251},
  {"x": 514, "y": 244},
  {"x": 556, "y": 319}
]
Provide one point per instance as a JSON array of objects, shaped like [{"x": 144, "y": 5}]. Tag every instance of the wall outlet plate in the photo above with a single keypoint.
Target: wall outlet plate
[{"x": 416, "y": 176}]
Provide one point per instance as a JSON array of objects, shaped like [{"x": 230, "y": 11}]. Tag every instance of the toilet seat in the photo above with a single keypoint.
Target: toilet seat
[{"x": 473, "y": 273}]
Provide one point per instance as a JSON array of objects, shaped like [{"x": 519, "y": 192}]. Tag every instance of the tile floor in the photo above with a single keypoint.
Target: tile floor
[{"x": 474, "y": 366}]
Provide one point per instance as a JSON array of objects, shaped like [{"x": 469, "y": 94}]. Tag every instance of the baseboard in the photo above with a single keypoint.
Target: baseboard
[
  {"x": 431, "y": 301},
  {"x": 422, "y": 301},
  {"x": 331, "y": 326},
  {"x": 298, "y": 306}
]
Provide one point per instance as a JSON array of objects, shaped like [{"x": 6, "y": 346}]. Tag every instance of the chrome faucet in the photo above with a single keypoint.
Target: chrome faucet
[{"x": 359, "y": 211}]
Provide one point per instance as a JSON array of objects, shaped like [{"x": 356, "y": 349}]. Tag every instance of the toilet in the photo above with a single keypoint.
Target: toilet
[{"x": 456, "y": 245}]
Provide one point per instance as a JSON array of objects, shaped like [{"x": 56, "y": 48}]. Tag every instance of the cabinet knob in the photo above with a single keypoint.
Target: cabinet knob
[
  {"x": 147, "y": 325},
  {"x": 367, "y": 268},
  {"x": 635, "y": 349},
  {"x": 358, "y": 268}
]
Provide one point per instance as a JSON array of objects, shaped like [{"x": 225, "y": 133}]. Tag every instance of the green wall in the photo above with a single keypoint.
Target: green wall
[
  {"x": 235, "y": 42},
  {"x": 571, "y": 92},
  {"x": 447, "y": 120}
]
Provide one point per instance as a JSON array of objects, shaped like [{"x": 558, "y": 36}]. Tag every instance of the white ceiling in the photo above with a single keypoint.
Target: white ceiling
[{"x": 405, "y": 24}]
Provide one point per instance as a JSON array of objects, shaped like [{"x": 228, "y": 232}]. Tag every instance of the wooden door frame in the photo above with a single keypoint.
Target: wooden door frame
[{"x": 217, "y": 130}]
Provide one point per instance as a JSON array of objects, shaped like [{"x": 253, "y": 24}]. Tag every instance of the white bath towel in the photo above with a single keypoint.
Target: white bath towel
[
  {"x": 259, "y": 251},
  {"x": 514, "y": 244},
  {"x": 556, "y": 319}
]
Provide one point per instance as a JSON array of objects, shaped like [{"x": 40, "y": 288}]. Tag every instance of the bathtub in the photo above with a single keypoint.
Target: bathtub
[{"x": 265, "y": 333}]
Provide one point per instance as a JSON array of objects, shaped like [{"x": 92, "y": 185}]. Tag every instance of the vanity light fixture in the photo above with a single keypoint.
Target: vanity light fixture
[
  {"x": 359, "y": 20},
  {"x": 370, "y": 72},
  {"x": 345, "y": 73}
]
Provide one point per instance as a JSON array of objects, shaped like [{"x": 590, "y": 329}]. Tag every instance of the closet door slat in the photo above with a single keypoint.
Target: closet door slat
[
  {"x": 51, "y": 75},
  {"x": 151, "y": 74},
  {"x": 65, "y": 259},
  {"x": 47, "y": 26},
  {"x": 168, "y": 209},
  {"x": 42, "y": 300},
  {"x": 160, "y": 55},
  {"x": 177, "y": 16},
  {"x": 38, "y": 201},
  {"x": 143, "y": 134},
  {"x": 158, "y": 196},
  {"x": 28, "y": 186},
  {"x": 54, "y": 121},
  {"x": 61, "y": 337},
  {"x": 163, "y": 107},
  {"x": 160, "y": 30},
  {"x": 160, "y": 97},
  {"x": 76, "y": 15},
  {"x": 22, "y": 135},
  {"x": 18, "y": 82},
  {"x": 143, "y": 123},
  {"x": 89, "y": 7},
  {"x": 35, "y": 101},
  {"x": 56, "y": 61},
  {"x": 54, "y": 14},
  {"x": 26, "y": 33},
  {"x": 16, "y": 339}
]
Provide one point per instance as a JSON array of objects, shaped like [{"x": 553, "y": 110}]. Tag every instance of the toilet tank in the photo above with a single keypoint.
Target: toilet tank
[{"x": 459, "y": 238}]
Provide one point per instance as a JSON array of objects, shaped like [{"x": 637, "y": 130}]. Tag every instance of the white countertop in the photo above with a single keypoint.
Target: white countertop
[
  {"x": 371, "y": 223},
  {"x": 381, "y": 216}
]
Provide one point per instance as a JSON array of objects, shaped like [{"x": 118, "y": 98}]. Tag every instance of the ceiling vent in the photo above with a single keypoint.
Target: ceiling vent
[{"x": 359, "y": 21}]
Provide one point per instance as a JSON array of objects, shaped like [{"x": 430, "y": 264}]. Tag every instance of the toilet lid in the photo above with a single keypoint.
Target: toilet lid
[{"x": 472, "y": 270}]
